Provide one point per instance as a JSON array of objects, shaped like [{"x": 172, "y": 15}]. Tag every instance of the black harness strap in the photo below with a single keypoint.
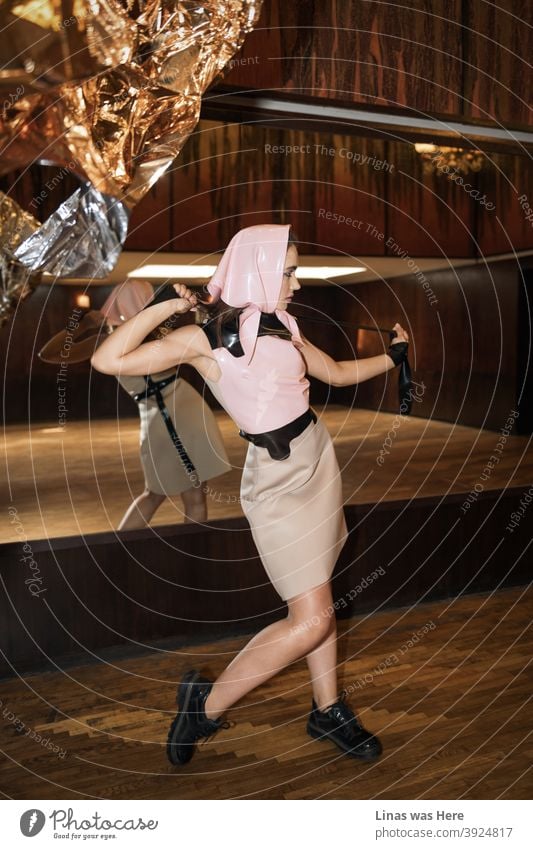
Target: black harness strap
[{"x": 154, "y": 387}]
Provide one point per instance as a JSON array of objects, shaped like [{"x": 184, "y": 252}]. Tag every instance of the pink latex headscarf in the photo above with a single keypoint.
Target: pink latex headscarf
[
  {"x": 126, "y": 300},
  {"x": 250, "y": 275}
]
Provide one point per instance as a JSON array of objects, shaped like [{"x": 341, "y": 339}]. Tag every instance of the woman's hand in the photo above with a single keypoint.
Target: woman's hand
[
  {"x": 398, "y": 345},
  {"x": 186, "y": 299},
  {"x": 401, "y": 334}
]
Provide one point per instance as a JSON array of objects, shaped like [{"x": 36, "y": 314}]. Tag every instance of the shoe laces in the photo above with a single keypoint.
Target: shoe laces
[
  {"x": 346, "y": 716},
  {"x": 213, "y": 731}
]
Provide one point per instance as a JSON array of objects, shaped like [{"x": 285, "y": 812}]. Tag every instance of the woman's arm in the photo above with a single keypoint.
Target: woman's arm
[
  {"x": 347, "y": 372},
  {"x": 122, "y": 351}
]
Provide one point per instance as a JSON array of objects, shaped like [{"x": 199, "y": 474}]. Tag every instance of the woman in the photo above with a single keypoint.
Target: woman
[
  {"x": 254, "y": 359},
  {"x": 180, "y": 443}
]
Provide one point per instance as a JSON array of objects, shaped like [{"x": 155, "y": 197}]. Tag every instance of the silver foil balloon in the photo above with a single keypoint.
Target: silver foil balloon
[
  {"x": 82, "y": 238},
  {"x": 110, "y": 89}
]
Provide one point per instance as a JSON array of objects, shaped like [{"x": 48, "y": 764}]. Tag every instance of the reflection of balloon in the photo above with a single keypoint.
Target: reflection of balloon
[{"x": 111, "y": 92}]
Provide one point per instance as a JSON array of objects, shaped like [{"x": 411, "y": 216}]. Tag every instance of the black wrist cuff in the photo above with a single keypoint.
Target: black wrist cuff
[{"x": 398, "y": 352}]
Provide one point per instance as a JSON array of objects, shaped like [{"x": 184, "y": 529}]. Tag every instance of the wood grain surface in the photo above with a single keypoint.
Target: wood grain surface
[{"x": 446, "y": 686}]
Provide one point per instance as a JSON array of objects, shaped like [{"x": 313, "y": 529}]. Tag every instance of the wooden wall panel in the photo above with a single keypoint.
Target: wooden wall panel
[
  {"x": 233, "y": 175},
  {"x": 498, "y": 48},
  {"x": 150, "y": 224},
  {"x": 228, "y": 177},
  {"x": 429, "y": 215},
  {"x": 463, "y": 346},
  {"x": 507, "y": 181},
  {"x": 39, "y": 189},
  {"x": 451, "y": 58},
  {"x": 405, "y": 55},
  {"x": 247, "y": 177}
]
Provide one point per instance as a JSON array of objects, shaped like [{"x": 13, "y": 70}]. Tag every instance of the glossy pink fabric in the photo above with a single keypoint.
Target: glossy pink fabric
[
  {"x": 266, "y": 393},
  {"x": 126, "y": 300},
  {"x": 250, "y": 275},
  {"x": 266, "y": 388}
]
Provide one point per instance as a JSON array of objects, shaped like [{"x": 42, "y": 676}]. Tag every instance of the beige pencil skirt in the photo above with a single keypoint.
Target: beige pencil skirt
[
  {"x": 295, "y": 510},
  {"x": 164, "y": 472}
]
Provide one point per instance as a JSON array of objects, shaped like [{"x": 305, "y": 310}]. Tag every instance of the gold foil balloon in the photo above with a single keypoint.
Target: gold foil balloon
[
  {"x": 45, "y": 44},
  {"x": 16, "y": 284},
  {"x": 16, "y": 281},
  {"x": 15, "y": 224},
  {"x": 110, "y": 90}
]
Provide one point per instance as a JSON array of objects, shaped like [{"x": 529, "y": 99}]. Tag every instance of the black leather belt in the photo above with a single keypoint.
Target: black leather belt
[
  {"x": 277, "y": 442},
  {"x": 154, "y": 387}
]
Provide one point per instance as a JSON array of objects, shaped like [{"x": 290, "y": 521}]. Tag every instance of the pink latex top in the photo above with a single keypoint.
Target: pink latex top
[
  {"x": 126, "y": 300},
  {"x": 266, "y": 388},
  {"x": 269, "y": 392},
  {"x": 250, "y": 275}
]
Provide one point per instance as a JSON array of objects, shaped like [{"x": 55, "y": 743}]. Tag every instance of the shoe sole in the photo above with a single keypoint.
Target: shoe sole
[
  {"x": 183, "y": 698},
  {"x": 317, "y": 734}
]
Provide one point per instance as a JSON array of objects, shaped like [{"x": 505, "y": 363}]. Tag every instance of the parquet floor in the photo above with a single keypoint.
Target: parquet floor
[
  {"x": 81, "y": 479},
  {"x": 447, "y": 686}
]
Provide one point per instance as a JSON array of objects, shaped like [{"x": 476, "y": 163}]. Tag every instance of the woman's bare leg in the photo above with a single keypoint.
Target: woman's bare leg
[
  {"x": 275, "y": 647},
  {"x": 141, "y": 511},
  {"x": 194, "y": 505},
  {"x": 322, "y": 664}
]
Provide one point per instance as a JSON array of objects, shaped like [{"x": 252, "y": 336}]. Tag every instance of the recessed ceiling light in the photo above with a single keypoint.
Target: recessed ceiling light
[
  {"x": 326, "y": 272},
  {"x": 187, "y": 272},
  {"x": 204, "y": 272}
]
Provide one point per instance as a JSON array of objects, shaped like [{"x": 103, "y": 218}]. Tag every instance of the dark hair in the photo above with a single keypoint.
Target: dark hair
[
  {"x": 293, "y": 238},
  {"x": 221, "y": 313}
]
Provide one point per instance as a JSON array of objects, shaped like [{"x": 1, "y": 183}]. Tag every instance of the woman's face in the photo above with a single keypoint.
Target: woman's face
[{"x": 290, "y": 282}]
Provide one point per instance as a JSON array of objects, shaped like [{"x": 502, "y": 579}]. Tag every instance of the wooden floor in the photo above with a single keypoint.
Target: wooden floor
[
  {"x": 80, "y": 479},
  {"x": 446, "y": 686}
]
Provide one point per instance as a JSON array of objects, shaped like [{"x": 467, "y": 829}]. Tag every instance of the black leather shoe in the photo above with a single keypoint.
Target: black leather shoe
[
  {"x": 190, "y": 723},
  {"x": 340, "y": 725}
]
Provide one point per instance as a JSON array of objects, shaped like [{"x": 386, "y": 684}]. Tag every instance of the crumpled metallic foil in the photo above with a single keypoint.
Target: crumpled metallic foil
[
  {"x": 82, "y": 238},
  {"x": 121, "y": 127},
  {"x": 16, "y": 281},
  {"x": 110, "y": 89},
  {"x": 16, "y": 284},
  {"x": 16, "y": 225},
  {"x": 45, "y": 44}
]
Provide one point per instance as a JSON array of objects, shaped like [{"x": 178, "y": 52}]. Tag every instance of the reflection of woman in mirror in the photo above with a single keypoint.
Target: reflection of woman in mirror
[
  {"x": 173, "y": 464},
  {"x": 180, "y": 443},
  {"x": 254, "y": 359}
]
